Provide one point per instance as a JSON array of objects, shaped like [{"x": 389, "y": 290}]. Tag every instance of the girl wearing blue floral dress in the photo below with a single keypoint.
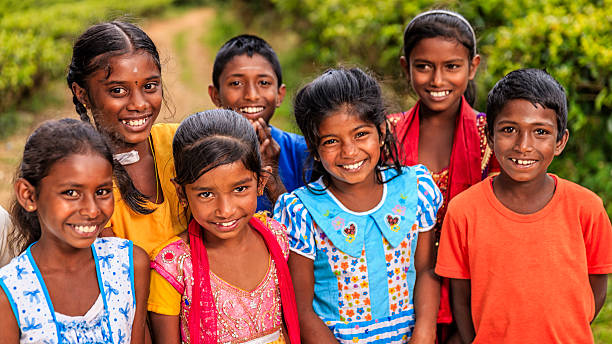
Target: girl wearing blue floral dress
[
  {"x": 69, "y": 286},
  {"x": 361, "y": 242}
]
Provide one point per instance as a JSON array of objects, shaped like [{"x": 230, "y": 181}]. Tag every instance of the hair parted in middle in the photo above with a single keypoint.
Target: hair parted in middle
[
  {"x": 211, "y": 138},
  {"x": 337, "y": 88}
]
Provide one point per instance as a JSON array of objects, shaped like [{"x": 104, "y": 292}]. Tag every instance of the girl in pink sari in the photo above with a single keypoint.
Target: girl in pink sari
[{"x": 224, "y": 280}]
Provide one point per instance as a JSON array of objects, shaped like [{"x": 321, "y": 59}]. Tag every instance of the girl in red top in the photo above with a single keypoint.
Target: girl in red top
[{"x": 442, "y": 131}]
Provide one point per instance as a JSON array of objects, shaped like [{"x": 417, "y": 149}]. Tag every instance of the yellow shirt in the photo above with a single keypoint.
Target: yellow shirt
[{"x": 150, "y": 231}]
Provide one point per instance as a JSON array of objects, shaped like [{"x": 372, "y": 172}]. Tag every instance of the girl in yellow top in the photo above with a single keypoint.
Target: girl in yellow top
[{"x": 115, "y": 78}]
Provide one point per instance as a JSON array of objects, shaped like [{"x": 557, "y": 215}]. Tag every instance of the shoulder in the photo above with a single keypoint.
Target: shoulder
[
  {"x": 579, "y": 194},
  {"x": 176, "y": 244},
  {"x": 278, "y": 229},
  {"x": 141, "y": 259},
  {"x": 164, "y": 129},
  {"x": 287, "y": 139}
]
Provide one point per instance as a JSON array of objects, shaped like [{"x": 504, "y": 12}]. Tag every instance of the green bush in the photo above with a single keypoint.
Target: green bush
[{"x": 36, "y": 38}]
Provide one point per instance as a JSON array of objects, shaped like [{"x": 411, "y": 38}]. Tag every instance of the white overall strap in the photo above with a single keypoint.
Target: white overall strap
[
  {"x": 26, "y": 291},
  {"x": 116, "y": 278}
]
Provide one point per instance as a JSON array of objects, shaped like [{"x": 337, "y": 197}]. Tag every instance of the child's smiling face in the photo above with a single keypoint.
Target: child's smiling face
[
  {"x": 224, "y": 199},
  {"x": 439, "y": 69},
  {"x": 125, "y": 103},
  {"x": 75, "y": 199},
  {"x": 349, "y": 148},
  {"x": 249, "y": 86},
  {"x": 524, "y": 140}
]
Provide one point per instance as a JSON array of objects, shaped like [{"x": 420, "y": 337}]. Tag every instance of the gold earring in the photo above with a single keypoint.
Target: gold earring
[
  {"x": 316, "y": 158},
  {"x": 30, "y": 207}
]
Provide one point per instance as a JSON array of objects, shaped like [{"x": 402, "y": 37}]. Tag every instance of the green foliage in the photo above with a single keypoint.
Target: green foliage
[
  {"x": 36, "y": 38},
  {"x": 569, "y": 38}
]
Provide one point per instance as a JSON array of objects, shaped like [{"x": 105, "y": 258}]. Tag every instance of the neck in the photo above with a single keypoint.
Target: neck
[
  {"x": 444, "y": 117},
  {"x": 358, "y": 197},
  {"x": 524, "y": 197},
  {"x": 52, "y": 254}
]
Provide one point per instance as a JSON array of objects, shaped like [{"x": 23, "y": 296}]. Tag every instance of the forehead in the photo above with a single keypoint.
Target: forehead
[
  {"x": 248, "y": 65},
  {"x": 81, "y": 168},
  {"x": 523, "y": 111},
  {"x": 136, "y": 64},
  {"x": 349, "y": 118},
  {"x": 226, "y": 175},
  {"x": 439, "y": 48}
]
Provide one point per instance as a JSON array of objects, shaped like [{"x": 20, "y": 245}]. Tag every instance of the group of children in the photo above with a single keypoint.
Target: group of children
[{"x": 127, "y": 216}]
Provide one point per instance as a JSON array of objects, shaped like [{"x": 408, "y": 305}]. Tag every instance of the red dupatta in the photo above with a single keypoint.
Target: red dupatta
[
  {"x": 464, "y": 168},
  {"x": 203, "y": 314}
]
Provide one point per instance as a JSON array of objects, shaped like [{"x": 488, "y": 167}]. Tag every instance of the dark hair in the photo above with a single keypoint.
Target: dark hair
[
  {"x": 97, "y": 45},
  {"x": 249, "y": 45},
  {"x": 50, "y": 142},
  {"x": 329, "y": 92},
  {"x": 534, "y": 85},
  {"x": 211, "y": 138},
  {"x": 446, "y": 24},
  {"x": 91, "y": 52}
]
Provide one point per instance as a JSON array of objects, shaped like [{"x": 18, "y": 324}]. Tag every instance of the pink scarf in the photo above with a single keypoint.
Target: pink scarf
[{"x": 203, "y": 314}]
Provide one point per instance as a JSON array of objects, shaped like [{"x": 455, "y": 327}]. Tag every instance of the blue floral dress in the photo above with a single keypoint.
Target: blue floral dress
[{"x": 363, "y": 262}]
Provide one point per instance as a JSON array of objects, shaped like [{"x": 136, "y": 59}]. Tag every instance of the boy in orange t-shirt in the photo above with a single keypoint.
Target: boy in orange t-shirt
[{"x": 527, "y": 252}]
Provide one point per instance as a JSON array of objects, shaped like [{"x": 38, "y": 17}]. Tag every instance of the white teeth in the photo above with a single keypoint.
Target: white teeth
[
  {"x": 85, "y": 229},
  {"x": 134, "y": 122},
  {"x": 252, "y": 109},
  {"x": 354, "y": 166},
  {"x": 439, "y": 94},
  {"x": 523, "y": 162},
  {"x": 226, "y": 224}
]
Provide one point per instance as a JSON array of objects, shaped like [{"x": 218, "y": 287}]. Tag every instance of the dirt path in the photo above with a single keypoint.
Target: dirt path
[{"x": 187, "y": 69}]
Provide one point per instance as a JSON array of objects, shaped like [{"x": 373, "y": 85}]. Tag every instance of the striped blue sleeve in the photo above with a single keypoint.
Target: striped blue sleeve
[
  {"x": 430, "y": 199},
  {"x": 290, "y": 211}
]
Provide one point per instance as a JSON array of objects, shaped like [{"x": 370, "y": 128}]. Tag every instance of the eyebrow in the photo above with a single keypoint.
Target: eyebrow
[
  {"x": 264, "y": 75},
  {"x": 121, "y": 82},
  {"x": 531, "y": 123},
  {"x": 447, "y": 61},
  {"x": 365, "y": 125},
  {"x": 77, "y": 185},
  {"x": 242, "y": 181}
]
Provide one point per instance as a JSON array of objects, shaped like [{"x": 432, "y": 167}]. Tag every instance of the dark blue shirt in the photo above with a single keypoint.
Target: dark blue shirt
[{"x": 293, "y": 157}]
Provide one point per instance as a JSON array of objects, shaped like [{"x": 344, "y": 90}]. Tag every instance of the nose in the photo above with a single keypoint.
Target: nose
[
  {"x": 89, "y": 207},
  {"x": 224, "y": 207},
  {"x": 524, "y": 141},
  {"x": 437, "y": 77},
  {"x": 251, "y": 92},
  {"x": 138, "y": 101},
  {"x": 349, "y": 148}
]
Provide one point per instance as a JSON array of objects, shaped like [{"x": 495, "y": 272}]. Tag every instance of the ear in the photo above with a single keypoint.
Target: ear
[
  {"x": 383, "y": 132},
  {"x": 80, "y": 93},
  {"x": 474, "y": 66},
  {"x": 213, "y": 92},
  {"x": 26, "y": 195},
  {"x": 405, "y": 66},
  {"x": 179, "y": 192},
  {"x": 282, "y": 90},
  {"x": 560, "y": 145},
  {"x": 263, "y": 179}
]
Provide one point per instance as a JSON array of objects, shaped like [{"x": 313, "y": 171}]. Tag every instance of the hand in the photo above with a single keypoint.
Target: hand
[{"x": 269, "y": 149}]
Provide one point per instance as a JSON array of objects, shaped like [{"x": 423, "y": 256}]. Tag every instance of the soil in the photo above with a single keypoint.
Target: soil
[{"x": 186, "y": 72}]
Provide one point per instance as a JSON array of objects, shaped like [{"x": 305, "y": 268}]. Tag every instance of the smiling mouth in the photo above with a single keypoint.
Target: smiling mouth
[
  {"x": 136, "y": 122},
  {"x": 85, "y": 229},
  {"x": 251, "y": 110},
  {"x": 523, "y": 162},
  {"x": 439, "y": 93},
  {"x": 353, "y": 167}
]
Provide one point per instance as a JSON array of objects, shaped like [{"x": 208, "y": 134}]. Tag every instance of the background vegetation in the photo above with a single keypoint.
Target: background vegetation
[{"x": 571, "y": 39}]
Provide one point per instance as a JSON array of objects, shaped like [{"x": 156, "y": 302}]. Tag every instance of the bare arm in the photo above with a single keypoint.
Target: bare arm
[
  {"x": 8, "y": 323},
  {"x": 141, "y": 287},
  {"x": 461, "y": 296},
  {"x": 426, "y": 291},
  {"x": 599, "y": 285},
  {"x": 313, "y": 330},
  {"x": 165, "y": 328}
]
